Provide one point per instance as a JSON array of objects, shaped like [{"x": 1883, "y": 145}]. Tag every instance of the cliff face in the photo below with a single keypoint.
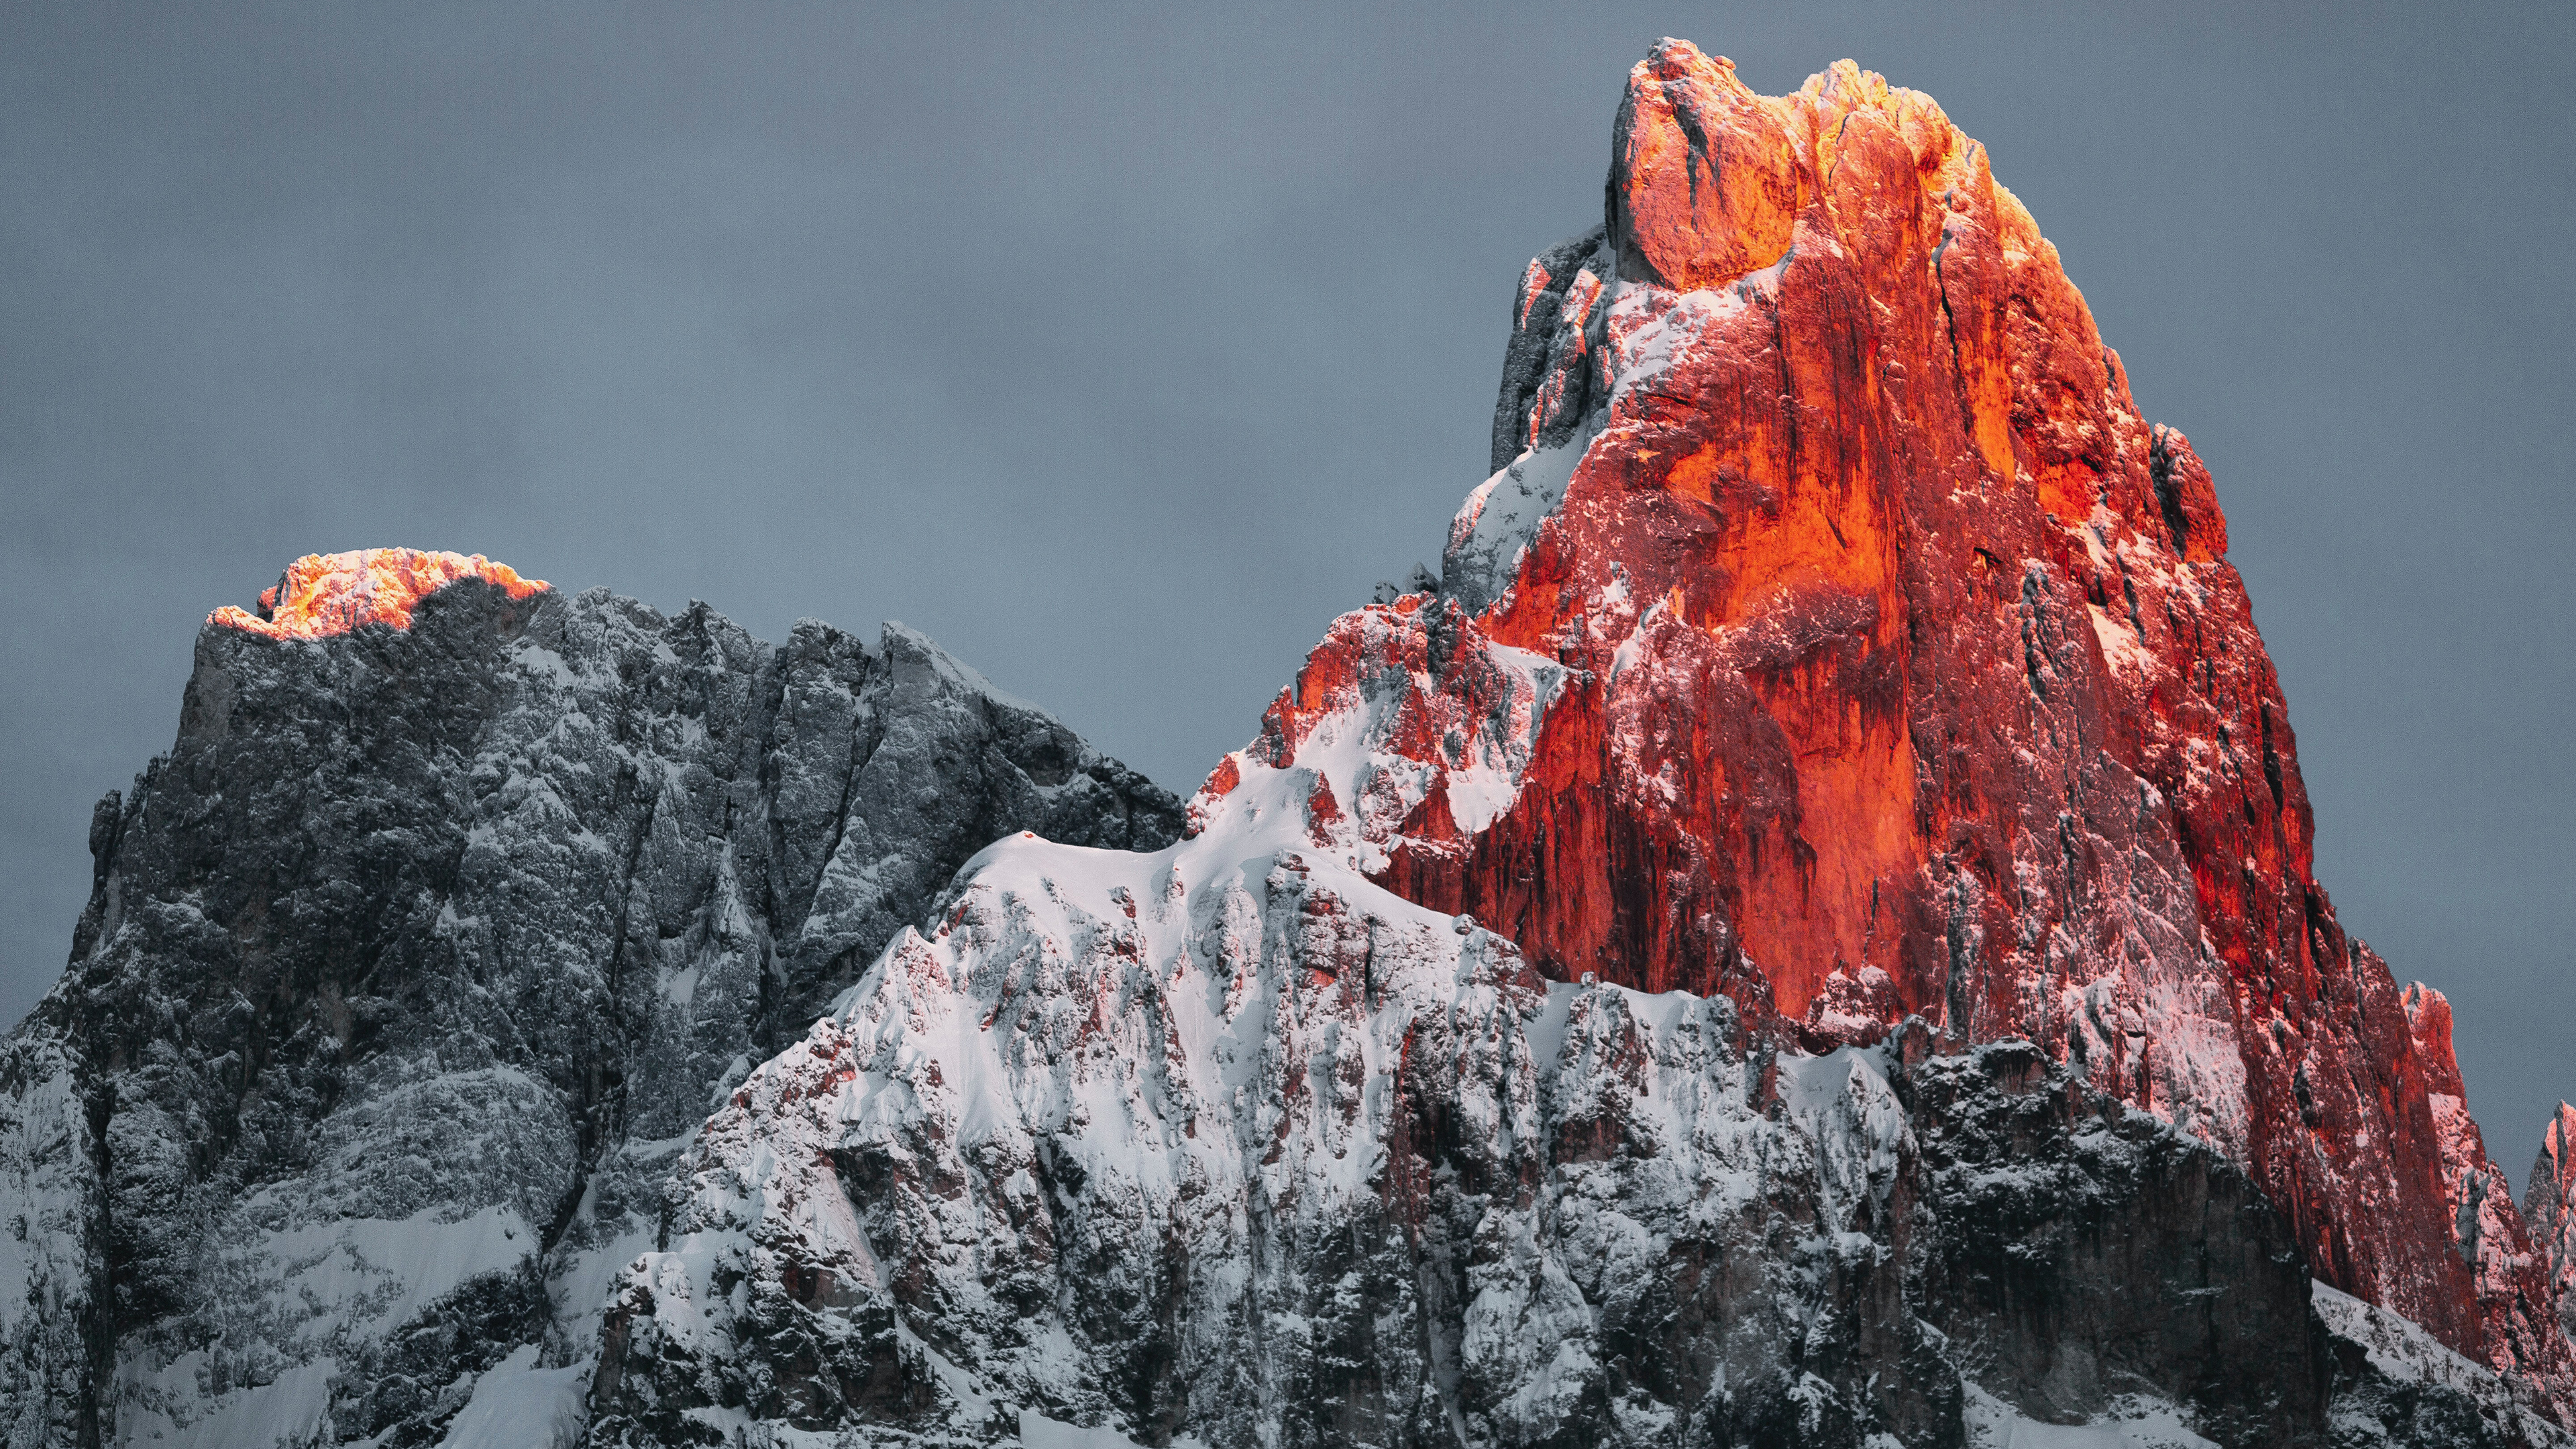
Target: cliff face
[
  {"x": 2549, "y": 1206},
  {"x": 1834, "y": 642},
  {"x": 1804, "y": 933},
  {"x": 456, "y": 906},
  {"x": 1906, "y": 674}
]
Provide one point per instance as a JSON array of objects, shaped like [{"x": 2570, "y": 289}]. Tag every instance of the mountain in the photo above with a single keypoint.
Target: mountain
[
  {"x": 453, "y": 910},
  {"x": 2549, "y": 1206},
  {"x": 1805, "y": 931},
  {"x": 1917, "y": 679}
]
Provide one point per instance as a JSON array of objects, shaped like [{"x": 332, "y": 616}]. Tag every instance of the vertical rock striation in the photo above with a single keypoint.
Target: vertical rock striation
[{"x": 1907, "y": 674}]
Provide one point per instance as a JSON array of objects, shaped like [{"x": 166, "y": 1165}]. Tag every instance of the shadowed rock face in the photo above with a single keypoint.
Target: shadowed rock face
[
  {"x": 411, "y": 964},
  {"x": 2075, "y": 1249}
]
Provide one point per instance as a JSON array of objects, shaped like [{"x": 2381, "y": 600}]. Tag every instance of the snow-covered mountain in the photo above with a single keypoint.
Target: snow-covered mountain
[
  {"x": 1802, "y": 932},
  {"x": 455, "y": 908},
  {"x": 1228, "y": 1142}
]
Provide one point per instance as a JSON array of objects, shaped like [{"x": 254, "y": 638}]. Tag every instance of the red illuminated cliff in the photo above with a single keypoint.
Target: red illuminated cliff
[
  {"x": 321, "y": 594},
  {"x": 1887, "y": 662}
]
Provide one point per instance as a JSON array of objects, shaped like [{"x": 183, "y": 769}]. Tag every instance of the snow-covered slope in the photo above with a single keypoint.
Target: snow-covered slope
[
  {"x": 1227, "y": 1141},
  {"x": 454, "y": 909},
  {"x": 2403, "y": 1387},
  {"x": 1834, "y": 660}
]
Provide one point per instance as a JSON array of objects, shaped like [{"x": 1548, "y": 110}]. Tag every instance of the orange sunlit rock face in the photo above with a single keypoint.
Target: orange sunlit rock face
[
  {"x": 1902, "y": 671},
  {"x": 333, "y": 593}
]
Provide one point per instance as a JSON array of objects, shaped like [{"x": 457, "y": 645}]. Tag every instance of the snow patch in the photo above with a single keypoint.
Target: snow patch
[
  {"x": 517, "y": 1405},
  {"x": 1651, "y": 329},
  {"x": 2133, "y": 1422},
  {"x": 1501, "y": 519},
  {"x": 1037, "y": 1431},
  {"x": 2127, "y": 655},
  {"x": 373, "y": 1270},
  {"x": 290, "y": 1409}
]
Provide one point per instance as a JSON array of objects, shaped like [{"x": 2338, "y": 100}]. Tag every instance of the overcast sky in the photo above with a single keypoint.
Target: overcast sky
[{"x": 1122, "y": 349}]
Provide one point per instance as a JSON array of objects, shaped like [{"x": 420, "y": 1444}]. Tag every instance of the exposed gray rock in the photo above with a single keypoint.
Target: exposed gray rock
[
  {"x": 1549, "y": 371},
  {"x": 2073, "y": 1251},
  {"x": 1225, "y": 1142},
  {"x": 2398, "y": 1387},
  {"x": 411, "y": 966}
]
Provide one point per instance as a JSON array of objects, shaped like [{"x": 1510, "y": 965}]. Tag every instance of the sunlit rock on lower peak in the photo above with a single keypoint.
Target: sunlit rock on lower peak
[{"x": 332, "y": 593}]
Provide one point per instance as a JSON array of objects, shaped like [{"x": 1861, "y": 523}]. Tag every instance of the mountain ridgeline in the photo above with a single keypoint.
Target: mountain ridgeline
[
  {"x": 410, "y": 966},
  {"x": 1802, "y": 932}
]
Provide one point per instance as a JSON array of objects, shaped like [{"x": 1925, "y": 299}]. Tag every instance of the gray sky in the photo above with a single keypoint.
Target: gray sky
[{"x": 1122, "y": 349}]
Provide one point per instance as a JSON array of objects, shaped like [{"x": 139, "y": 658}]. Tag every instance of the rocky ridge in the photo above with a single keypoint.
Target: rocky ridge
[
  {"x": 1912, "y": 677},
  {"x": 2549, "y": 1206},
  {"x": 456, "y": 906},
  {"x": 1802, "y": 932},
  {"x": 1229, "y": 1143},
  {"x": 1833, "y": 641}
]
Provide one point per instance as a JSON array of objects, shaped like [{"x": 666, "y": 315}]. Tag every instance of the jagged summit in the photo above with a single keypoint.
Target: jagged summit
[
  {"x": 1904, "y": 673},
  {"x": 1834, "y": 647},
  {"x": 413, "y": 963},
  {"x": 2549, "y": 1203},
  {"x": 1802, "y": 933},
  {"x": 323, "y": 594}
]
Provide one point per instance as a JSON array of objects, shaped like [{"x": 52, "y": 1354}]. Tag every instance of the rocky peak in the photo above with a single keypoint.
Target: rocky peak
[
  {"x": 1897, "y": 668},
  {"x": 1837, "y": 683},
  {"x": 322, "y": 594},
  {"x": 411, "y": 966},
  {"x": 1706, "y": 177},
  {"x": 2549, "y": 1204},
  {"x": 2428, "y": 1020},
  {"x": 1804, "y": 932}
]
